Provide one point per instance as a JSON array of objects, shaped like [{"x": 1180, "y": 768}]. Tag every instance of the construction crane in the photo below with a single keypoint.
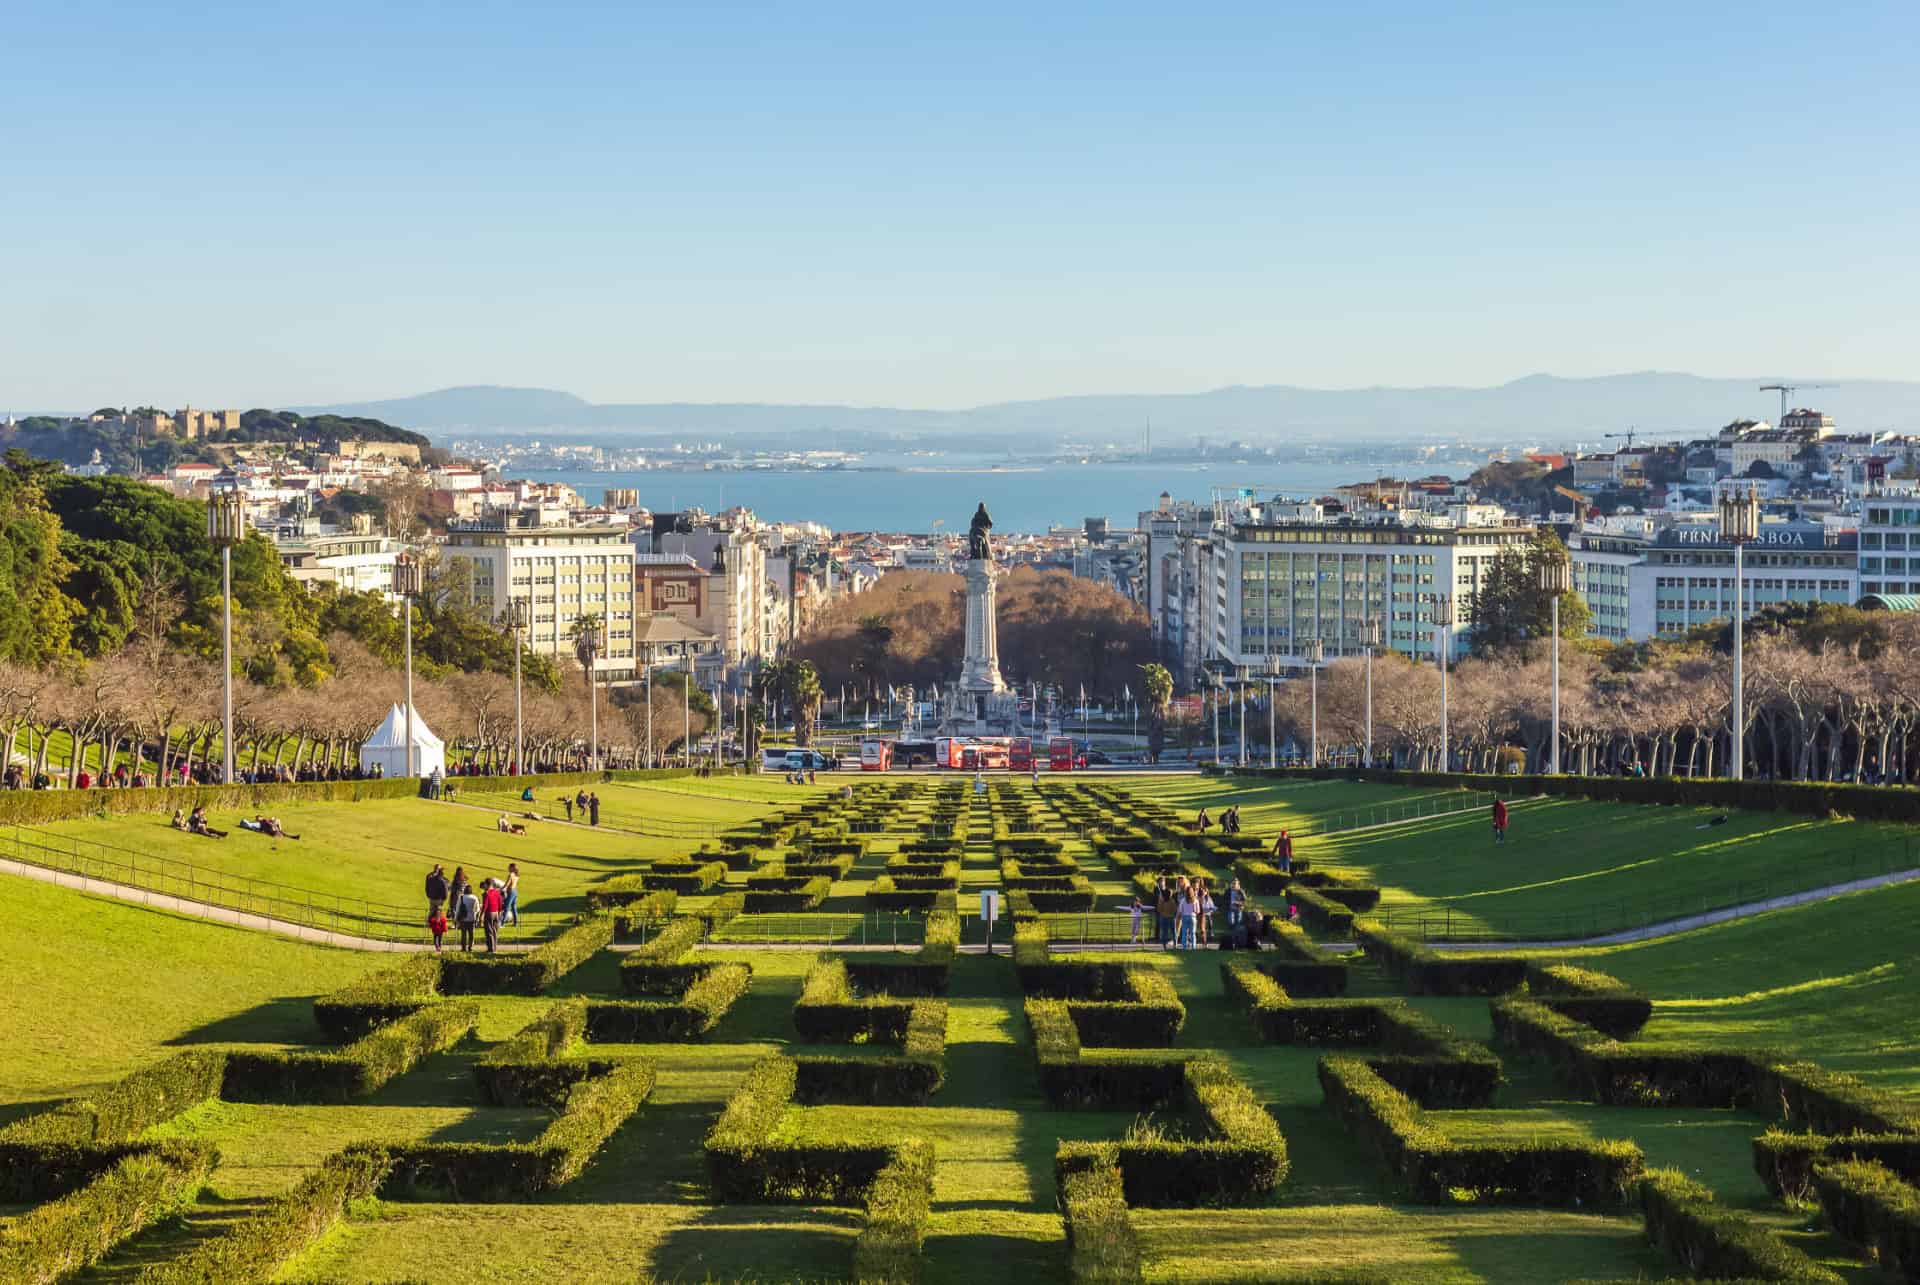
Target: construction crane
[
  {"x": 1630, "y": 434},
  {"x": 1783, "y": 390}
]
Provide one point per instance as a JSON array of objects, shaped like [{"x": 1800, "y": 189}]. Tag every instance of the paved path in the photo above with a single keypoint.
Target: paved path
[{"x": 218, "y": 914}]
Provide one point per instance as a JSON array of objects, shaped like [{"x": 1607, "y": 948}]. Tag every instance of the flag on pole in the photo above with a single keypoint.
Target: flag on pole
[{"x": 1126, "y": 693}]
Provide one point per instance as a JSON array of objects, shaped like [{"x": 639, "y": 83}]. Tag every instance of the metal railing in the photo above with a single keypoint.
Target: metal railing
[
  {"x": 804, "y": 928},
  {"x": 202, "y": 885},
  {"x": 516, "y": 809},
  {"x": 1606, "y": 916},
  {"x": 1438, "y": 805}
]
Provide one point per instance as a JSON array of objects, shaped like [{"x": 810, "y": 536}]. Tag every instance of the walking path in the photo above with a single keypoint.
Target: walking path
[{"x": 218, "y": 914}]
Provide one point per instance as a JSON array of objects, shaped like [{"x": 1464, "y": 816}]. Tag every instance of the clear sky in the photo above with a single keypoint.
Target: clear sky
[{"x": 280, "y": 203}]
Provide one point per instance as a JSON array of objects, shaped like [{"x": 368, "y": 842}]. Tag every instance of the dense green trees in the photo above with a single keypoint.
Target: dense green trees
[
  {"x": 36, "y": 615},
  {"x": 1510, "y": 607}
]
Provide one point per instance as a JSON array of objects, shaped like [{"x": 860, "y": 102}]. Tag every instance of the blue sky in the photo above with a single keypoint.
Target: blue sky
[{"x": 280, "y": 203}]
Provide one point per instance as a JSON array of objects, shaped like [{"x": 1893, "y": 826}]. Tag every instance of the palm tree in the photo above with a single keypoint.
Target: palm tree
[
  {"x": 797, "y": 683},
  {"x": 589, "y": 641},
  {"x": 876, "y": 636},
  {"x": 1156, "y": 684}
]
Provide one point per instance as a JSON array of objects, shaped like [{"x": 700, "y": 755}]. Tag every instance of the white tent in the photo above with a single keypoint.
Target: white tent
[{"x": 387, "y": 747}]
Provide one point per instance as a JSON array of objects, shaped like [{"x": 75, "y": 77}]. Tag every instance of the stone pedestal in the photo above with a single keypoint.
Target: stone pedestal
[{"x": 980, "y": 681}]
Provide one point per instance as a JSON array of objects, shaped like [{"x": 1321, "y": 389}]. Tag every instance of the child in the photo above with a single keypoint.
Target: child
[
  {"x": 1137, "y": 909},
  {"x": 437, "y": 925}
]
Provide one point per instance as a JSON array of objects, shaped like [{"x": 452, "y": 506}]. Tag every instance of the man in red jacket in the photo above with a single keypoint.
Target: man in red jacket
[
  {"x": 1499, "y": 820},
  {"x": 493, "y": 903}
]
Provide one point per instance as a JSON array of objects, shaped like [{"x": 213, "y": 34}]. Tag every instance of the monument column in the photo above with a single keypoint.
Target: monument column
[{"x": 980, "y": 678}]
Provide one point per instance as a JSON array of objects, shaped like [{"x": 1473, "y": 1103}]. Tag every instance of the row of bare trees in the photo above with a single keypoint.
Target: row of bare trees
[
  {"x": 158, "y": 711},
  {"x": 1819, "y": 712}
]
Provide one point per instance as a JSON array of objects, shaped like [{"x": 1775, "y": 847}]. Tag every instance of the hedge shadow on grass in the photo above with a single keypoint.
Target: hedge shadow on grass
[{"x": 736, "y": 1242}]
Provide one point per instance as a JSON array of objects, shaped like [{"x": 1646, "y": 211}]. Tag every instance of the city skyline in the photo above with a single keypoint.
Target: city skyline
[{"x": 940, "y": 211}]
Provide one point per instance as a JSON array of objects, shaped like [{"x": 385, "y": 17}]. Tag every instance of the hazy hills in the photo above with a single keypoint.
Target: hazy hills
[{"x": 1544, "y": 406}]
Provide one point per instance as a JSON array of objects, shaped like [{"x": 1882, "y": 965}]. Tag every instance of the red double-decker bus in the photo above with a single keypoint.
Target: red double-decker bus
[
  {"x": 876, "y": 756},
  {"x": 1060, "y": 755},
  {"x": 1020, "y": 754}
]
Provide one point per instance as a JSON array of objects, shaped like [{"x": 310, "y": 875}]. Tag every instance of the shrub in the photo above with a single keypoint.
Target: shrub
[
  {"x": 125, "y": 1109},
  {"x": 354, "y": 1071},
  {"x": 706, "y": 999},
  {"x": 1149, "y": 1015},
  {"x": 591, "y": 1111},
  {"x": 531, "y": 973},
  {"x": 811, "y": 868},
  {"x": 378, "y": 998},
  {"x": 60, "y": 1237},
  {"x": 1710, "y": 1241},
  {"x": 1102, "y": 1248},
  {"x": 532, "y": 1068},
  {"x": 1261, "y": 877},
  {"x": 885, "y": 893},
  {"x": 633, "y": 918},
  {"x": 1322, "y": 912},
  {"x": 1432, "y": 972},
  {"x": 1069, "y": 1080},
  {"x": 1785, "y": 1161},
  {"x": 1439, "y": 1170},
  {"x": 1584, "y": 995},
  {"x": 897, "y": 1206},
  {"x": 620, "y": 890},
  {"x": 253, "y": 1249},
  {"x": 684, "y": 877},
  {"x": 1871, "y": 1206},
  {"x": 807, "y": 894}
]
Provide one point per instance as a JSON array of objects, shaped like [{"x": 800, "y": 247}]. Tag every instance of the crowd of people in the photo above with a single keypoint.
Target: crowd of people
[{"x": 455, "y": 903}]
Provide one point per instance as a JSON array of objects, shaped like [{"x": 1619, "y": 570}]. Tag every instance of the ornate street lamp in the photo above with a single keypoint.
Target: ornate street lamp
[
  {"x": 589, "y": 644},
  {"x": 1273, "y": 673},
  {"x": 513, "y": 619},
  {"x": 408, "y": 580},
  {"x": 1314, "y": 651},
  {"x": 1443, "y": 652},
  {"x": 1739, "y": 526},
  {"x": 1556, "y": 579},
  {"x": 226, "y": 527},
  {"x": 1370, "y": 639}
]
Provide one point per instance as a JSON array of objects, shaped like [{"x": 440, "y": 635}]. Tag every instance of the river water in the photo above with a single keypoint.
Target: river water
[{"x": 910, "y": 494}]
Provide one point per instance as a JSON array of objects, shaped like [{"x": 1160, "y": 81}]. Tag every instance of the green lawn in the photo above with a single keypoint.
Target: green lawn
[
  {"x": 99, "y": 988},
  {"x": 115, "y": 986}
]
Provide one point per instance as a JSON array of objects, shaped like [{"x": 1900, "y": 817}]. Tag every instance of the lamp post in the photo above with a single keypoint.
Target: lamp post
[
  {"x": 1739, "y": 524},
  {"x": 1315, "y": 651},
  {"x": 589, "y": 643},
  {"x": 1273, "y": 749},
  {"x": 1218, "y": 682},
  {"x": 1370, "y": 638},
  {"x": 686, "y": 713},
  {"x": 513, "y": 618},
  {"x": 646, "y": 678},
  {"x": 1556, "y": 578},
  {"x": 1240, "y": 702},
  {"x": 408, "y": 576},
  {"x": 226, "y": 528},
  {"x": 1443, "y": 652}
]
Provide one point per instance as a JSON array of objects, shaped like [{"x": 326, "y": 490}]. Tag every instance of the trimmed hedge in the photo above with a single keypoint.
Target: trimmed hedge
[
  {"x": 684, "y": 877},
  {"x": 1238, "y": 1157},
  {"x": 884, "y": 893},
  {"x": 532, "y": 1069},
  {"x": 704, "y": 1001},
  {"x": 1595, "y": 998},
  {"x": 58, "y": 1238},
  {"x": 1437, "y": 1169},
  {"x": 1102, "y": 1247},
  {"x": 1322, "y": 912},
  {"x": 351, "y": 1072},
  {"x": 1262, "y": 877},
  {"x": 1872, "y": 1207},
  {"x": 1785, "y": 1161},
  {"x": 125, "y": 1109},
  {"x": 1433, "y": 972},
  {"x": 254, "y": 1248},
  {"x": 1714, "y": 1242},
  {"x": 531, "y": 973},
  {"x": 1148, "y": 1013},
  {"x": 1305, "y": 970},
  {"x": 897, "y": 1207},
  {"x": 463, "y": 1171},
  {"x": 631, "y": 919},
  {"x": 1422, "y": 1058},
  {"x": 803, "y": 894},
  {"x": 378, "y": 998}
]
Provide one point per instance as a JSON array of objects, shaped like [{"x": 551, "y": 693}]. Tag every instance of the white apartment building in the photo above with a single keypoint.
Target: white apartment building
[
  {"x": 1603, "y": 562},
  {"x": 1687, "y": 578},
  {"x": 561, "y": 572},
  {"x": 357, "y": 562},
  {"x": 1890, "y": 542},
  {"x": 1274, "y": 585}
]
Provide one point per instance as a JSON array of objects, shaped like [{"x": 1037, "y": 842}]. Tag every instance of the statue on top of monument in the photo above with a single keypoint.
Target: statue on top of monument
[{"x": 979, "y": 548}]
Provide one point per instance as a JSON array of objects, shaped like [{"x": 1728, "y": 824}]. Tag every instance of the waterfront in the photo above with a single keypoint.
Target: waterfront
[{"x": 909, "y": 493}]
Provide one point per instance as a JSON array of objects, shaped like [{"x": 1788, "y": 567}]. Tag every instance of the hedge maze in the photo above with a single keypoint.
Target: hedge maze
[{"x": 722, "y": 1061}]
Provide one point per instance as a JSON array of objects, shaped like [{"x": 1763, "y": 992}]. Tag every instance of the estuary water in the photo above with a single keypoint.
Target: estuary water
[{"x": 905, "y": 493}]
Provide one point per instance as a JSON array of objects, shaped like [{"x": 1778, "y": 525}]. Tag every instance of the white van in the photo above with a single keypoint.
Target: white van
[{"x": 804, "y": 760}]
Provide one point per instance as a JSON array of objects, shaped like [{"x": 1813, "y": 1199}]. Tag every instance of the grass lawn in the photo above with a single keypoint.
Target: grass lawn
[
  {"x": 102, "y": 987},
  {"x": 1833, "y": 981},
  {"x": 380, "y": 851},
  {"x": 1572, "y": 868}
]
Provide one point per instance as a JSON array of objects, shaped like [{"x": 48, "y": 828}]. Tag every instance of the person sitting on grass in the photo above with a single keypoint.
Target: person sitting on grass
[
  {"x": 526, "y": 795},
  {"x": 271, "y": 826},
  {"x": 509, "y": 827},
  {"x": 179, "y": 821}
]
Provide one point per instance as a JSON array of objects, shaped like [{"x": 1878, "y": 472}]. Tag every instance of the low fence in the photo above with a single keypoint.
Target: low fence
[
  {"x": 804, "y": 928},
  {"x": 203, "y": 885},
  {"x": 1437, "y": 805}
]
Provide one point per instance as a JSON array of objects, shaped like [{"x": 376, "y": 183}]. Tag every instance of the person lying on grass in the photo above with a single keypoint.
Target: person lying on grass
[
  {"x": 269, "y": 826},
  {"x": 197, "y": 824},
  {"x": 509, "y": 827}
]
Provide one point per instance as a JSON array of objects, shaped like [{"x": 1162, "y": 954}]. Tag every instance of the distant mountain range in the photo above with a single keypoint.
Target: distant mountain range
[{"x": 1537, "y": 406}]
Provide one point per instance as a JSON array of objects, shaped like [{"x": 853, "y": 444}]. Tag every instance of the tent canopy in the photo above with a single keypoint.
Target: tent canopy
[{"x": 387, "y": 747}]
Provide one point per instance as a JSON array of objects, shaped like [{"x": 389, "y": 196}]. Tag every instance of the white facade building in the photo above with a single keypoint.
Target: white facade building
[{"x": 561, "y": 572}]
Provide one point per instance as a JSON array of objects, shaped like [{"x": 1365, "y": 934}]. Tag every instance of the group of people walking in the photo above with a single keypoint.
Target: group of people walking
[
  {"x": 456, "y": 903},
  {"x": 1183, "y": 909},
  {"x": 1229, "y": 821}
]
